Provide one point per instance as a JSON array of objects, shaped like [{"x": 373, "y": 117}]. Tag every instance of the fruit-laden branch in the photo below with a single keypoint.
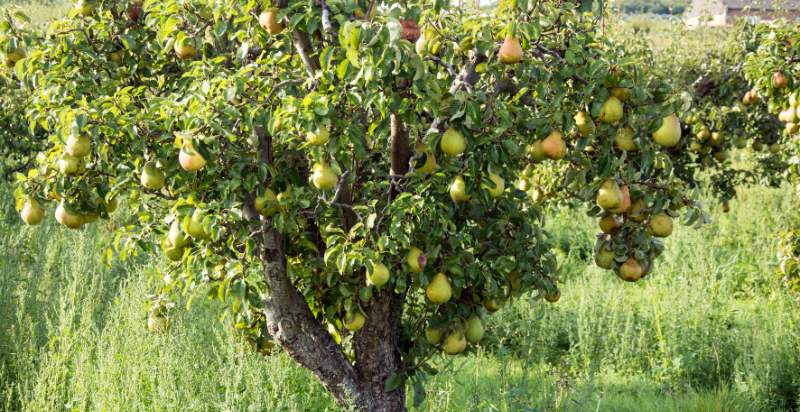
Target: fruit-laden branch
[{"x": 290, "y": 321}]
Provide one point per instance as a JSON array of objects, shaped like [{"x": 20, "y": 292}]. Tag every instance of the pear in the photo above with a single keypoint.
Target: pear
[
  {"x": 427, "y": 43},
  {"x": 172, "y": 252},
  {"x": 268, "y": 19},
  {"x": 355, "y": 321},
  {"x": 536, "y": 151},
  {"x": 458, "y": 190},
  {"x": 266, "y": 204},
  {"x": 185, "y": 51},
  {"x": 454, "y": 343},
  {"x": 703, "y": 134},
  {"x": 15, "y": 55},
  {"x": 66, "y": 218},
  {"x": 631, "y": 270},
  {"x": 323, "y": 177},
  {"x": 775, "y": 148},
  {"x": 426, "y": 158},
  {"x": 492, "y": 305},
  {"x": 552, "y": 297},
  {"x": 176, "y": 236},
  {"x": 625, "y": 204},
  {"x": 152, "y": 177},
  {"x": 379, "y": 274},
  {"x": 621, "y": 93},
  {"x": 439, "y": 290},
  {"x": 716, "y": 138},
  {"x": 32, "y": 212},
  {"x": 453, "y": 142},
  {"x": 695, "y": 146},
  {"x": 69, "y": 165},
  {"x": 474, "y": 331},
  {"x": 609, "y": 223},
  {"x": 511, "y": 51},
  {"x": 669, "y": 134},
  {"x": 789, "y": 115},
  {"x": 433, "y": 335},
  {"x": 499, "y": 185},
  {"x": 584, "y": 123},
  {"x": 85, "y": 7},
  {"x": 319, "y": 137},
  {"x": 721, "y": 156},
  {"x": 611, "y": 110},
  {"x": 157, "y": 323},
  {"x": 553, "y": 146},
  {"x": 78, "y": 146},
  {"x": 636, "y": 212},
  {"x": 193, "y": 226},
  {"x": 609, "y": 196},
  {"x": 604, "y": 258},
  {"x": 660, "y": 225},
  {"x": 624, "y": 139},
  {"x": 416, "y": 259},
  {"x": 190, "y": 159},
  {"x": 779, "y": 80}
]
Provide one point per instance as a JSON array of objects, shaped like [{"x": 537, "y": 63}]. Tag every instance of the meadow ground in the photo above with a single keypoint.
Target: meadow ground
[{"x": 711, "y": 329}]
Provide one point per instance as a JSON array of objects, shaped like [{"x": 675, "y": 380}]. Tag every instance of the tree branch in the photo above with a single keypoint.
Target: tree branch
[{"x": 306, "y": 51}]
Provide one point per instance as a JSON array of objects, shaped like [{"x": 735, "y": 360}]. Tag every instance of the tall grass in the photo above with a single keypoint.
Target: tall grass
[{"x": 710, "y": 329}]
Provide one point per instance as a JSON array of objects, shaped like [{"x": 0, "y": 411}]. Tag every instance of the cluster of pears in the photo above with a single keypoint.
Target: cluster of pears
[
  {"x": 453, "y": 143},
  {"x": 621, "y": 224},
  {"x": 789, "y": 257},
  {"x": 790, "y": 116},
  {"x": 453, "y": 338},
  {"x": 542, "y": 181},
  {"x": 668, "y": 134},
  {"x": 74, "y": 154},
  {"x": 709, "y": 144},
  {"x": 32, "y": 212},
  {"x": 182, "y": 232}
]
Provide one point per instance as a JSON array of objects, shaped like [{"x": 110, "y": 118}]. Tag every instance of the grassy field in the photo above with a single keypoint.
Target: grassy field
[{"x": 711, "y": 330}]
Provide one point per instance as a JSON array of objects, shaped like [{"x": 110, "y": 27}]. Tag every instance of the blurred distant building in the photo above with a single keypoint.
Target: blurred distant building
[{"x": 722, "y": 12}]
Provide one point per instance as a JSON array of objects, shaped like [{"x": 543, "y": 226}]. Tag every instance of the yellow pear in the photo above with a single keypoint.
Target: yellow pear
[
  {"x": 584, "y": 123},
  {"x": 176, "y": 236},
  {"x": 172, "y": 252},
  {"x": 621, "y": 93},
  {"x": 609, "y": 196},
  {"x": 604, "y": 258},
  {"x": 536, "y": 151},
  {"x": 660, "y": 225},
  {"x": 492, "y": 305},
  {"x": 511, "y": 51},
  {"x": 266, "y": 204},
  {"x": 624, "y": 139},
  {"x": 669, "y": 134},
  {"x": 458, "y": 190},
  {"x": 193, "y": 226},
  {"x": 152, "y": 177},
  {"x": 85, "y": 7},
  {"x": 631, "y": 270},
  {"x": 474, "y": 331},
  {"x": 433, "y": 335},
  {"x": 553, "y": 296},
  {"x": 611, "y": 110},
  {"x": 453, "y": 142},
  {"x": 268, "y": 19},
  {"x": 427, "y": 43},
  {"x": 190, "y": 159},
  {"x": 69, "y": 165},
  {"x": 553, "y": 146},
  {"x": 499, "y": 185},
  {"x": 185, "y": 51},
  {"x": 439, "y": 290},
  {"x": 416, "y": 260},
  {"x": 78, "y": 146},
  {"x": 323, "y": 177},
  {"x": 427, "y": 159},
  {"x": 609, "y": 223},
  {"x": 355, "y": 321},
  {"x": 72, "y": 221},
  {"x": 379, "y": 274},
  {"x": 454, "y": 343},
  {"x": 32, "y": 212},
  {"x": 637, "y": 213},
  {"x": 319, "y": 137}
]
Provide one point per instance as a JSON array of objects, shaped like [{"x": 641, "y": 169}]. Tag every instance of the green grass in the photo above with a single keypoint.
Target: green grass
[{"x": 710, "y": 329}]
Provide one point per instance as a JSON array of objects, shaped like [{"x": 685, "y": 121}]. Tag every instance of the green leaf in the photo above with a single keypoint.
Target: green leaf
[{"x": 393, "y": 382}]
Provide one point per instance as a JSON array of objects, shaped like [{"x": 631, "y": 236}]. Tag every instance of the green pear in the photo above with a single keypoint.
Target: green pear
[
  {"x": 63, "y": 216},
  {"x": 433, "y": 335},
  {"x": 319, "y": 137},
  {"x": 669, "y": 134},
  {"x": 416, "y": 259},
  {"x": 439, "y": 290},
  {"x": 624, "y": 139},
  {"x": 492, "y": 305},
  {"x": 323, "y": 177},
  {"x": 454, "y": 343},
  {"x": 176, "y": 236},
  {"x": 379, "y": 274},
  {"x": 499, "y": 185},
  {"x": 536, "y": 151},
  {"x": 604, "y": 258},
  {"x": 355, "y": 321},
  {"x": 458, "y": 190},
  {"x": 266, "y": 204},
  {"x": 609, "y": 223},
  {"x": 453, "y": 142},
  {"x": 152, "y": 177},
  {"x": 32, "y": 212},
  {"x": 78, "y": 146},
  {"x": 611, "y": 110},
  {"x": 584, "y": 123},
  {"x": 69, "y": 165},
  {"x": 631, "y": 270},
  {"x": 660, "y": 225},
  {"x": 193, "y": 226},
  {"x": 609, "y": 196},
  {"x": 474, "y": 331}
]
